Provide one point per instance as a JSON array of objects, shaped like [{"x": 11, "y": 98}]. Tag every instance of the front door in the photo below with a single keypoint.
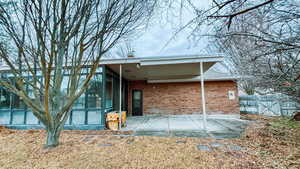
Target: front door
[{"x": 137, "y": 103}]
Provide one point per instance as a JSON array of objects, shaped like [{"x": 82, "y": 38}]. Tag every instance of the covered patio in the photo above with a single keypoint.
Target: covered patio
[
  {"x": 159, "y": 70},
  {"x": 218, "y": 126}
]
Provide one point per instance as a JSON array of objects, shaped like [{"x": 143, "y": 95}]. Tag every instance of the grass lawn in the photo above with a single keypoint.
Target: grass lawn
[{"x": 268, "y": 143}]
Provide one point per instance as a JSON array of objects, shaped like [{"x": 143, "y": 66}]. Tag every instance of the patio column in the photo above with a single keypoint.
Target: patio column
[
  {"x": 203, "y": 97},
  {"x": 120, "y": 104}
]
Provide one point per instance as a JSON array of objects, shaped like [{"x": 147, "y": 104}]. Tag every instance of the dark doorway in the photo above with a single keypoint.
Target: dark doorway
[{"x": 137, "y": 102}]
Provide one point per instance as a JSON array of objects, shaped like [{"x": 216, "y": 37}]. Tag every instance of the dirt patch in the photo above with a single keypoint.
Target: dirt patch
[
  {"x": 274, "y": 138},
  {"x": 262, "y": 146},
  {"x": 5, "y": 131}
]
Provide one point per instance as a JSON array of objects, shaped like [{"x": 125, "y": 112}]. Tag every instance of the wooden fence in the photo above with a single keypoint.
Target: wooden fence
[{"x": 271, "y": 105}]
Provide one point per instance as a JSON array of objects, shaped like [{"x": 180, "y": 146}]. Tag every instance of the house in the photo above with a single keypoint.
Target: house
[{"x": 140, "y": 86}]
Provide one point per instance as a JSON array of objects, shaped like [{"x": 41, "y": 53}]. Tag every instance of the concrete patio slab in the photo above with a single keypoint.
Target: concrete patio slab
[{"x": 186, "y": 126}]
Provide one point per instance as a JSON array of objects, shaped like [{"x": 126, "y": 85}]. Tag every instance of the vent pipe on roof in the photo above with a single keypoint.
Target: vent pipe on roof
[{"x": 131, "y": 54}]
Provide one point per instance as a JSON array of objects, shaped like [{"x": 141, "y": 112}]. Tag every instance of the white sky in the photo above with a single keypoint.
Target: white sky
[{"x": 154, "y": 40}]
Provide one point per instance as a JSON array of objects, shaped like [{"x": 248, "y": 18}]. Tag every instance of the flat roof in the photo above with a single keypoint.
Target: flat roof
[
  {"x": 161, "y": 67},
  {"x": 161, "y": 60}
]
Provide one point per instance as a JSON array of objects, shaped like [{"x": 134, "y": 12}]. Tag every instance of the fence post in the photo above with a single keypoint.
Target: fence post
[
  {"x": 280, "y": 100},
  {"x": 257, "y": 104}
]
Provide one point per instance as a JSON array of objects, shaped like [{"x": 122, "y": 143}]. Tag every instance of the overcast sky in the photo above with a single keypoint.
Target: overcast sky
[
  {"x": 154, "y": 40},
  {"x": 158, "y": 38}
]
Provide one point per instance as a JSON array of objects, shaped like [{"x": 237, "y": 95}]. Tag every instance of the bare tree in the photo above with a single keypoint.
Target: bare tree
[
  {"x": 260, "y": 38},
  {"x": 264, "y": 43},
  {"x": 3, "y": 37},
  {"x": 238, "y": 53},
  {"x": 55, "y": 37}
]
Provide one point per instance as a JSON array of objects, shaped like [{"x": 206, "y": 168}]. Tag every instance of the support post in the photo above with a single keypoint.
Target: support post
[
  {"x": 120, "y": 104},
  {"x": 203, "y": 97}
]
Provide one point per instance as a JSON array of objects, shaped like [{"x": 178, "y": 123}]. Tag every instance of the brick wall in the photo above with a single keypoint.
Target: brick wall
[{"x": 185, "y": 98}]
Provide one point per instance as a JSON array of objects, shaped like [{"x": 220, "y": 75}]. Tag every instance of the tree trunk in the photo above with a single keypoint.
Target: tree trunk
[
  {"x": 52, "y": 138},
  {"x": 296, "y": 116}
]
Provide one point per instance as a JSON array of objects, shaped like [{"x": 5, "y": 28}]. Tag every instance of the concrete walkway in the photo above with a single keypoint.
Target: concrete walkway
[{"x": 186, "y": 126}]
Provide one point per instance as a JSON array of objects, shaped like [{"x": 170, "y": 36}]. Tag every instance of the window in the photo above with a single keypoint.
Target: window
[
  {"x": 4, "y": 99},
  {"x": 8, "y": 99},
  {"x": 80, "y": 102},
  {"x": 30, "y": 89},
  {"x": 94, "y": 92},
  {"x": 17, "y": 102},
  {"x": 109, "y": 91}
]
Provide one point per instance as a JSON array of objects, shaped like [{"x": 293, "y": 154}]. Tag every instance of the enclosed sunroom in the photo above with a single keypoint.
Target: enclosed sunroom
[{"x": 88, "y": 112}]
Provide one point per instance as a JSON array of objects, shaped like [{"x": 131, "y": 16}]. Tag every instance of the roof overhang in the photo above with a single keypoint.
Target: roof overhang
[
  {"x": 196, "y": 79},
  {"x": 161, "y": 68}
]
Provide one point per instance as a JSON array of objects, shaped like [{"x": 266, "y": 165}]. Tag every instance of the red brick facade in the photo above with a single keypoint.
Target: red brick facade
[{"x": 185, "y": 98}]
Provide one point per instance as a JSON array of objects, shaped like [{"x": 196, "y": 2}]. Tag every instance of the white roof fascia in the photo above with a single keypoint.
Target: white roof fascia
[
  {"x": 163, "y": 60},
  {"x": 119, "y": 61},
  {"x": 180, "y": 61}
]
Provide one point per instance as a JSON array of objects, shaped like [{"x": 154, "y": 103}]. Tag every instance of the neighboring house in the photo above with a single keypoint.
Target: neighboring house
[{"x": 150, "y": 85}]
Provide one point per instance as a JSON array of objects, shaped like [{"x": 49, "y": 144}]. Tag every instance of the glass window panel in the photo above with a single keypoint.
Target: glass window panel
[
  {"x": 65, "y": 88},
  {"x": 80, "y": 102},
  {"x": 4, "y": 99},
  {"x": 68, "y": 120},
  {"x": 99, "y": 70},
  {"x": 94, "y": 92},
  {"x": 137, "y": 95},
  {"x": 25, "y": 74},
  {"x": 78, "y": 117},
  {"x": 4, "y": 117},
  {"x": 85, "y": 70},
  {"x": 66, "y": 72},
  {"x": 30, "y": 92},
  {"x": 9, "y": 75},
  {"x": 109, "y": 91},
  {"x": 30, "y": 89},
  {"x": 64, "y": 85},
  {"x": 39, "y": 73},
  {"x": 17, "y": 102},
  {"x": 18, "y": 117},
  {"x": 31, "y": 119},
  {"x": 94, "y": 117}
]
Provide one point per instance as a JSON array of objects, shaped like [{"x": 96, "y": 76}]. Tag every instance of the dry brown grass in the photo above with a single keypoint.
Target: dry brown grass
[{"x": 261, "y": 149}]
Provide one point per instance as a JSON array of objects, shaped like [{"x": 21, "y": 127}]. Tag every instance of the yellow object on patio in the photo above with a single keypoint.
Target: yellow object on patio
[{"x": 112, "y": 120}]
